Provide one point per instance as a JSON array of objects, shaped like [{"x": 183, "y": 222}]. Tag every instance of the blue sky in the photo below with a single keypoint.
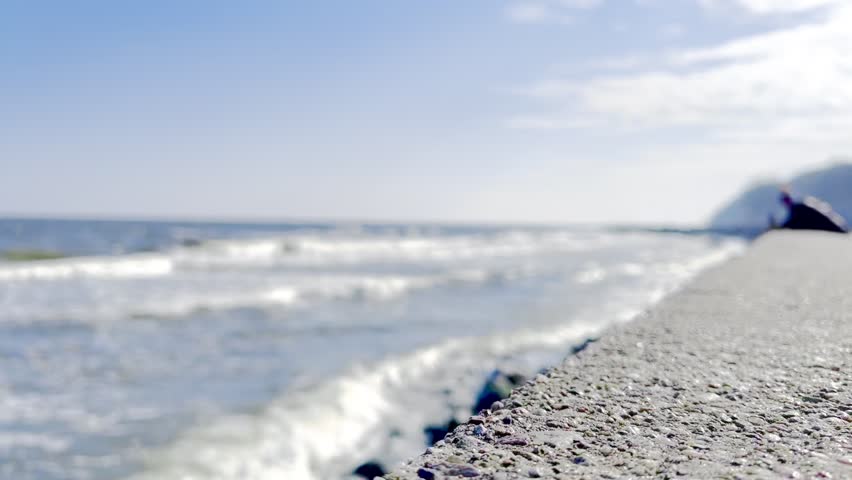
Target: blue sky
[{"x": 461, "y": 110}]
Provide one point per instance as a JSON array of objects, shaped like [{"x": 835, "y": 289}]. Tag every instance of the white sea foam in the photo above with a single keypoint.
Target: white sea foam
[
  {"x": 316, "y": 250},
  {"x": 153, "y": 265},
  {"x": 95, "y": 301},
  {"x": 592, "y": 273},
  {"x": 285, "y": 270},
  {"x": 49, "y": 443},
  {"x": 303, "y": 250}
]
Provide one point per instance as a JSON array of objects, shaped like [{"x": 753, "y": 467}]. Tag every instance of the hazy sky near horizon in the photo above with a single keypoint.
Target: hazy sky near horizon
[{"x": 487, "y": 110}]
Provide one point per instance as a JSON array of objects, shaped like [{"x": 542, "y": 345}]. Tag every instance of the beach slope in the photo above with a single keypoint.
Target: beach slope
[{"x": 745, "y": 373}]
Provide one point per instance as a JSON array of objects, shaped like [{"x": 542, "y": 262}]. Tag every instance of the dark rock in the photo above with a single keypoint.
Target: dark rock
[
  {"x": 427, "y": 474},
  {"x": 436, "y": 433},
  {"x": 496, "y": 388},
  {"x": 369, "y": 470},
  {"x": 579, "y": 348},
  {"x": 476, "y": 420}
]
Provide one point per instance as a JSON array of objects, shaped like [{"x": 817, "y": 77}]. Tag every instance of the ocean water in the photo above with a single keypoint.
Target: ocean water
[{"x": 166, "y": 350}]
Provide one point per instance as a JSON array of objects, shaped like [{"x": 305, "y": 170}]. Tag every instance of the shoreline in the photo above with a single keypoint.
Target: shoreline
[{"x": 743, "y": 373}]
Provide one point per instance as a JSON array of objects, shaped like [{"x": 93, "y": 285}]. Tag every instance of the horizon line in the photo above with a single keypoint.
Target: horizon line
[{"x": 248, "y": 220}]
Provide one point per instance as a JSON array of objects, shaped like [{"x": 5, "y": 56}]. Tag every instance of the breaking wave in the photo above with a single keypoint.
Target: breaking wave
[{"x": 304, "y": 251}]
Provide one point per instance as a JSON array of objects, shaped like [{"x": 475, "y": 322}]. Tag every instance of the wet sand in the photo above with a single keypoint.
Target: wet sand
[{"x": 744, "y": 373}]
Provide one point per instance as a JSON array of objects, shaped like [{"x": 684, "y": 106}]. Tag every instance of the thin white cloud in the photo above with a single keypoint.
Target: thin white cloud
[
  {"x": 580, "y": 3},
  {"x": 529, "y": 13},
  {"x": 764, "y": 7},
  {"x": 789, "y": 85},
  {"x": 548, "y": 11}
]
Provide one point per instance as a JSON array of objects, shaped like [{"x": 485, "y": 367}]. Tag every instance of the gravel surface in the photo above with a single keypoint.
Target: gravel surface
[{"x": 745, "y": 373}]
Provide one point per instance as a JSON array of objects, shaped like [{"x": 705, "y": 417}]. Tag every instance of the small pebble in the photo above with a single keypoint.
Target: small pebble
[
  {"x": 514, "y": 440},
  {"x": 426, "y": 474}
]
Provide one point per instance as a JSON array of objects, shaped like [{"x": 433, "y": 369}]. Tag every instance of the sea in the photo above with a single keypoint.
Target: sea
[{"x": 187, "y": 350}]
